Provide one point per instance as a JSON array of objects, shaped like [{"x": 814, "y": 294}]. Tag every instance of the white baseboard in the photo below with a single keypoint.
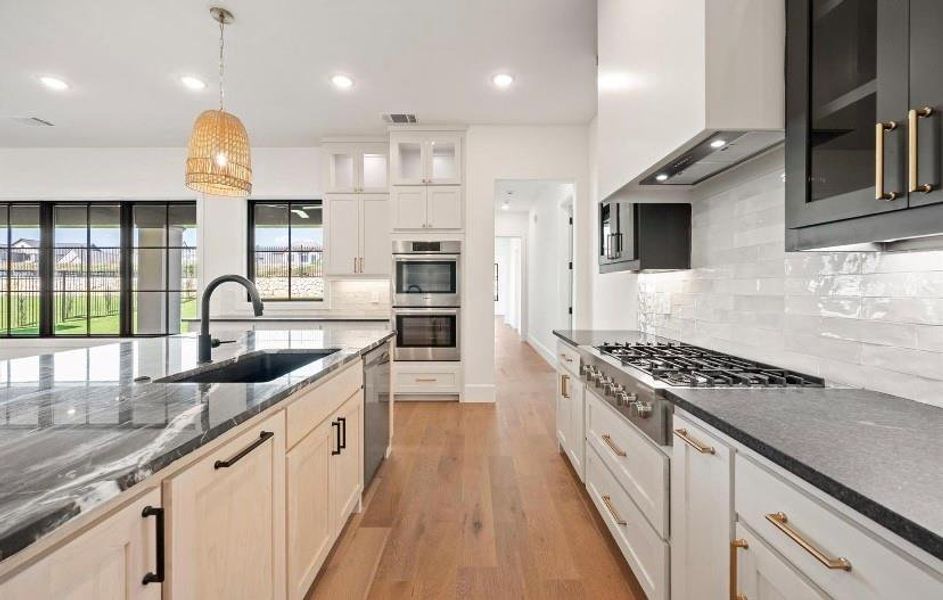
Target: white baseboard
[
  {"x": 479, "y": 392},
  {"x": 544, "y": 352}
]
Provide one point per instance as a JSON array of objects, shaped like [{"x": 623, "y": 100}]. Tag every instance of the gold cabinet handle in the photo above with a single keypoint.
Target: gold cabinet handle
[
  {"x": 612, "y": 511},
  {"x": 565, "y": 386},
  {"x": 566, "y": 358},
  {"x": 683, "y": 434},
  {"x": 781, "y": 522},
  {"x": 425, "y": 380},
  {"x": 735, "y": 545},
  {"x": 608, "y": 439},
  {"x": 879, "y": 130},
  {"x": 912, "y": 116}
]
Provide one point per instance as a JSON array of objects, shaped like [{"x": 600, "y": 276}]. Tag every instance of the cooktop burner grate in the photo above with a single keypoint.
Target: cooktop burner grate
[{"x": 691, "y": 366}]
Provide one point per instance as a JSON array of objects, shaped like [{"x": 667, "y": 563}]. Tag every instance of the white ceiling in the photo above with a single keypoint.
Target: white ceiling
[
  {"x": 123, "y": 59},
  {"x": 522, "y": 194}
]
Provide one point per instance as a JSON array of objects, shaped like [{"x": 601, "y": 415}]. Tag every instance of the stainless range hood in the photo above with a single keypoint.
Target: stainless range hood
[{"x": 712, "y": 154}]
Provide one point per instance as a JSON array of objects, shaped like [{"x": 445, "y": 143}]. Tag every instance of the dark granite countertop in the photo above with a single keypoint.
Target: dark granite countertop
[
  {"x": 76, "y": 431},
  {"x": 878, "y": 454},
  {"x": 589, "y": 337}
]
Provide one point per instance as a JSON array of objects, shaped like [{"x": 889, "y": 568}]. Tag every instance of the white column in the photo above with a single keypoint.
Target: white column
[{"x": 222, "y": 250}]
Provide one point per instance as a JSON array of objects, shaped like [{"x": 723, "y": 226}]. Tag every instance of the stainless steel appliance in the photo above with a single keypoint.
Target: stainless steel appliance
[
  {"x": 376, "y": 409},
  {"x": 644, "y": 237},
  {"x": 427, "y": 334},
  {"x": 427, "y": 273},
  {"x": 632, "y": 377}
]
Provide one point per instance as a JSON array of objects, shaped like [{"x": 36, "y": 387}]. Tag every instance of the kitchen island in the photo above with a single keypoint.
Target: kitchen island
[{"x": 88, "y": 430}]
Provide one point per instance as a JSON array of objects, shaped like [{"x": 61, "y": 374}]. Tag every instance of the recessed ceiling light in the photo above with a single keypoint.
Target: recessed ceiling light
[
  {"x": 502, "y": 80},
  {"x": 192, "y": 83},
  {"x": 505, "y": 206},
  {"x": 718, "y": 143},
  {"x": 342, "y": 82},
  {"x": 54, "y": 83},
  {"x": 661, "y": 177}
]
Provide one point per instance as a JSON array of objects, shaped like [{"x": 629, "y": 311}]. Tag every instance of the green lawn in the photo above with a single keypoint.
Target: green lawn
[{"x": 25, "y": 311}]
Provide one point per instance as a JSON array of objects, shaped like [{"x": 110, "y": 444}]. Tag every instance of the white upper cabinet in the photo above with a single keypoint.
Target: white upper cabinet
[
  {"x": 356, "y": 167},
  {"x": 721, "y": 71},
  {"x": 426, "y": 158},
  {"x": 358, "y": 234}
]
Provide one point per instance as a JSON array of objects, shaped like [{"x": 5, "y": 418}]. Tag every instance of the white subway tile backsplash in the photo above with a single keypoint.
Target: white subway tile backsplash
[{"x": 863, "y": 319}]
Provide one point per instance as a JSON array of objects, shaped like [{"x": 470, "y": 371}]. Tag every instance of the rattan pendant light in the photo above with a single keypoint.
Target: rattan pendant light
[{"x": 218, "y": 160}]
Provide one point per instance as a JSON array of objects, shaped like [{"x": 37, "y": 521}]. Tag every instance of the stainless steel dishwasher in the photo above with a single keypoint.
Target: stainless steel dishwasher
[{"x": 376, "y": 410}]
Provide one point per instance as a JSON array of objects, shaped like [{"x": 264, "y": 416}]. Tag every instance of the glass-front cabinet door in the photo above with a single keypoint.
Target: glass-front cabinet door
[
  {"x": 374, "y": 169},
  {"x": 342, "y": 176},
  {"x": 925, "y": 113},
  {"x": 846, "y": 109},
  {"x": 427, "y": 159},
  {"x": 444, "y": 160},
  {"x": 409, "y": 161}
]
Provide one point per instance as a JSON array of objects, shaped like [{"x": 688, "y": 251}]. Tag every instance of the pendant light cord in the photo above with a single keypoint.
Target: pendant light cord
[{"x": 222, "y": 24}]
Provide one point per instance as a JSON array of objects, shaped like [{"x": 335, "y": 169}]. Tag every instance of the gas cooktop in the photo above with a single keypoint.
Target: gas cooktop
[{"x": 685, "y": 365}]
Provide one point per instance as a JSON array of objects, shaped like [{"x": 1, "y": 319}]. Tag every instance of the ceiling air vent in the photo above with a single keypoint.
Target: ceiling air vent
[
  {"x": 32, "y": 121},
  {"x": 399, "y": 118}
]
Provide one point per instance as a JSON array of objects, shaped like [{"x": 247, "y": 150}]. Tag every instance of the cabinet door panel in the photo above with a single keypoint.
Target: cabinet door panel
[
  {"x": 926, "y": 90},
  {"x": 227, "y": 523},
  {"x": 701, "y": 515},
  {"x": 408, "y": 161},
  {"x": 374, "y": 171},
  {"x": 409, "y": 207},
  {"x": 444, "y": 160},
  {"x": 445, "y": 207},
  {"x": 311, "y": 528},
  {"x": 563, "y": 410},
  {"x": 344, "y": 233},
  {"x": 108, "y": 562},
  {"x": 576, "y": 446},
  {"x": 347, "y": 467},
  {"x": 846, "y": 72},
  {"x": 762, "y": 575},
  {"x": 342, "y": 170},
  {"x": 375, "y": 235}
]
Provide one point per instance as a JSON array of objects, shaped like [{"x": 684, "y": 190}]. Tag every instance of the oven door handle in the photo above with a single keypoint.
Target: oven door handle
[
  {"x": 426, "y": 257},
  {"x": 431, "y": 311}
]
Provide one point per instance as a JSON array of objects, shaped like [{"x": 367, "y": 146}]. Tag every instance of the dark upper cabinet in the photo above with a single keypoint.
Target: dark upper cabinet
[
  {"x": 859, "y": 74},
  {"x": 637, "y": 237}
]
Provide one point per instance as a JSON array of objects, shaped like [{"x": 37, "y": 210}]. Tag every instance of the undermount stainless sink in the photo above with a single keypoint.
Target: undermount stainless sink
[{"x": 254, "y": 367}]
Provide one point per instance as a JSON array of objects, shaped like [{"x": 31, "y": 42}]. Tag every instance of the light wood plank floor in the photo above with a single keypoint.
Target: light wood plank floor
[{"x": 477, "y": 502}]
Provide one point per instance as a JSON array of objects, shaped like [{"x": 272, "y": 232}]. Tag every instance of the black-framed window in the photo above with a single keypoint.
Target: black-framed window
[
  {"x": 286, "y": 249},
  {"x": 89, "y": 269}
]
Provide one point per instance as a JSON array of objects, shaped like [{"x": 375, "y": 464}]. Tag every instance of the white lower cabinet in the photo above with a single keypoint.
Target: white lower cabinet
[
  {"x": 644, "y": 550},
  {"x": 701, "y": 513},
  {"x": 107, "y": 562},
  {"x": 227, "y": 520},
  {"x": 761, "y": 574}
]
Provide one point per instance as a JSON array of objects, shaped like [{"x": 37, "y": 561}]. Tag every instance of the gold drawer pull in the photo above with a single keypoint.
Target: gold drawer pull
[
  {"x": 612, "y": 511},
  {"x": 912, "y": 181},
  {"x": 879, "y": 130},
  {"x": 426, "y": 380},
  {"x": 782, "y": 523},
  {"x": 566, "y": 358},
  {"x": 735, "y": 545},
  {"x": 608, "y": 439},
  {"x": 683, "y": 434}
]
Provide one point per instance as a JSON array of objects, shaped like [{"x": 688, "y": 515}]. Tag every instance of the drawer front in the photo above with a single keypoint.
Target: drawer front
[
  {"x": 640, "y": 467},
  {"x": 568, "y": 358},
  {"x": 644, "y": 550},
  {"x": 427, "y": 382},
  {"x": 800, "y": 526},
  {"x": 314, "y": 405}
]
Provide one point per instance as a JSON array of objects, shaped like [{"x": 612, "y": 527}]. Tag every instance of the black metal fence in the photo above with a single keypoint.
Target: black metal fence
[{"x": 272, "y": 262}]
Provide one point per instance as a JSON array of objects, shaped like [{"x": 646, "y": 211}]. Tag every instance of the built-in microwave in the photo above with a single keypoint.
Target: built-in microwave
[
  {"x": 636, "y": 236},
  {"x": 427, "y": 273}
]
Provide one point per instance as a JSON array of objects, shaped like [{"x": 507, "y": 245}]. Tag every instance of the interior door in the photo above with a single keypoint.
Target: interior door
[
  {"x": 344, "y": 232},
  {"x": 375, "y": 235},
  {"x": 926, "y": 91},
  {"x": 846, "y": 75}
]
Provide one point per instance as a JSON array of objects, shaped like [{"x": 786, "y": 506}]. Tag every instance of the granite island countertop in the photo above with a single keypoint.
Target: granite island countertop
[{"x": 77, "y": 430}]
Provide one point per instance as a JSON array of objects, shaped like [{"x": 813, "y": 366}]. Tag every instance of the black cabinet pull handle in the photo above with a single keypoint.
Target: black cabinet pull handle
[
  {"x": 337, "y": 449},
  {"x": 222, "y": 464},
  {"x": 158, "y": 575},
  {"x": 343, "y": 421}
]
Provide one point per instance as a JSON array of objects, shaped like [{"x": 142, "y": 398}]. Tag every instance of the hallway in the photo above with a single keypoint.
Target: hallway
[{"x": 476, "y": 502}]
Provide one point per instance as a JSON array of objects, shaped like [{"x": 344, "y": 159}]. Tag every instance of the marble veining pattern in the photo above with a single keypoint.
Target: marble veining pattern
[
  {"x": 77, "y": 430},
  {"x": 866, "y": 319}
]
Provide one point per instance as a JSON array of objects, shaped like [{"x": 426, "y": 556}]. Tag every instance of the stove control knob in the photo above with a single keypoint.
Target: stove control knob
[
  {"x": 604, "y": 382},
  {"x": 622, "y": 398},
  {"x": 642, "y": 409},
  {"x": 608, "y": 387}
]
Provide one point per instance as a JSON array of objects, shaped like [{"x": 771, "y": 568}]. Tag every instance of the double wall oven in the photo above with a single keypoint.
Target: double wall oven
[{"x": 427, "y": 300}]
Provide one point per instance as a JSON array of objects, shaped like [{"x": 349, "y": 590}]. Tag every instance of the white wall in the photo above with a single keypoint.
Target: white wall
[{"x": 505, "y": 152}]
